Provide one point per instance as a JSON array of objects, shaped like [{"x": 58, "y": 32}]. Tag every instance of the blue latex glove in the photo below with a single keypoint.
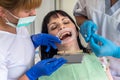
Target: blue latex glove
[
  {"x": 45, "y": 68},
  {"x": 45, "y": 40},
  {"x": 104, "y": 47},
  {"x": 87, "y": 29}
]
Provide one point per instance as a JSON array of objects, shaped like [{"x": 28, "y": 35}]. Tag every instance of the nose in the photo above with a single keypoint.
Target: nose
[
  {"x": 61, "y": 27},
  {"x": 32, "y": 12}
]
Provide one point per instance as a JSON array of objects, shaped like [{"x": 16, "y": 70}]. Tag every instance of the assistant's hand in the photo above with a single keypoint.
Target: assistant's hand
[
  {"x": 45, "y": 40},
  {"x": 45, "y": 68},
  {"x": 104, "y": 47},
  {"x": 87, "y": 29}
]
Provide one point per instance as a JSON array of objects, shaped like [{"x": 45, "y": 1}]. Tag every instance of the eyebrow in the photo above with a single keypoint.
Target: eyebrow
[
  {"x": 55, "y": 22},
  {"x": 65, "y": 18}
]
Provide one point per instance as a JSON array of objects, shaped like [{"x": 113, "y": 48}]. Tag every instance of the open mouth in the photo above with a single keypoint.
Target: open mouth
[{"x": 65, "y": 35}]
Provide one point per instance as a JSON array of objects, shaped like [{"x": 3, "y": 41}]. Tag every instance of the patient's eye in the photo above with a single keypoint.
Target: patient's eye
[
  {"x": 66, "y": 21},
  {"x": 53, "y": 26}
]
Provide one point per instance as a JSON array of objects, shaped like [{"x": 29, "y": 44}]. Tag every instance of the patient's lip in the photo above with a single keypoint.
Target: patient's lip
[
  {"x": 64, "y": 35},
  {"x": 63, "y": 31}
]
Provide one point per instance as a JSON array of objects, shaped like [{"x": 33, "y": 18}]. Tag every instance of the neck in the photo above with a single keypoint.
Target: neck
[
  {"x": 2, "y": 24},
  {"x": 7, "y": 28}
]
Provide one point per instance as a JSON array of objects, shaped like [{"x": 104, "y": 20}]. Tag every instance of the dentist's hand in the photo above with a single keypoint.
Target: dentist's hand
[
  {"x": 45, "y": 40},
  {"x": 87, "y": 29},
  {"x": 45, "y": 68},
  {"x": 104, "y": 47}
]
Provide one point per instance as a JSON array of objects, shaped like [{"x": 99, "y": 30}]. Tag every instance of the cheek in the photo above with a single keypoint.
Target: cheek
[
  {"x": 53, "y": 32},
  {"x": 76, "y": 31},
  {"x": 71, "y": 25}
]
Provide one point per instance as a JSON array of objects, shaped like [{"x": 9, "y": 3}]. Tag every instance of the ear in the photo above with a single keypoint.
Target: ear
[{"x": 2, "y": 12}]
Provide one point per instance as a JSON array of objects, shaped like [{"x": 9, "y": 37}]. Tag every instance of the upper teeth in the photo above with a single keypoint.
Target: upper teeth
[{"x": 61, "y": 35}]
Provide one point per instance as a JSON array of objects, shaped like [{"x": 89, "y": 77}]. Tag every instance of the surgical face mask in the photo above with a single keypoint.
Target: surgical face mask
[{"x": 21, "y": 21}]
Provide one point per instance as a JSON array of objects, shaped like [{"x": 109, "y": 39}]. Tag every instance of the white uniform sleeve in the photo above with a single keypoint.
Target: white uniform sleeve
[
  {"x": 80, "y": 8},
  {"x": 3, "y": 67}
]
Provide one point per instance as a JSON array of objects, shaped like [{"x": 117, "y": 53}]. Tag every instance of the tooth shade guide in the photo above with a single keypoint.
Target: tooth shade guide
[{"x": 66, "y": 52}]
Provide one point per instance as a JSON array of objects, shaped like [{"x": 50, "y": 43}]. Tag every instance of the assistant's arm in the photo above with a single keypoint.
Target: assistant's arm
[{"x": 104, "y": 47}]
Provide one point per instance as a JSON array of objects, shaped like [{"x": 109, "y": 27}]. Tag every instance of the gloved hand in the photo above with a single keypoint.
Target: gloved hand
[
  {"x": 45, "y": 40},
  {"x": 87, "y": 29},
  {"x": 45, "y": 68},
  {"x": 104, "y": 47}
]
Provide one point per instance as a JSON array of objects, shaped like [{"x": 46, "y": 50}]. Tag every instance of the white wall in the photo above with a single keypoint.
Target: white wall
[
  {"x": 45, "y": 7},
  {"x": 67, "y": 5}
]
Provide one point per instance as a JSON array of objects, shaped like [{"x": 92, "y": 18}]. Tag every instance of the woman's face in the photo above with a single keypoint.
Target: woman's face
[{"x": 63, "y": 28}]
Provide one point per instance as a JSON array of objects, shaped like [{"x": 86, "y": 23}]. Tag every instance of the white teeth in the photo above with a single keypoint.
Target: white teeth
[{"x": 61, "y": 33}]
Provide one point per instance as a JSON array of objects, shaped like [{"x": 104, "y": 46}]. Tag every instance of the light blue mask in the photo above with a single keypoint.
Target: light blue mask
[
  {"x": 21, "y": 21},
  {"x": 25, "y": 21}
]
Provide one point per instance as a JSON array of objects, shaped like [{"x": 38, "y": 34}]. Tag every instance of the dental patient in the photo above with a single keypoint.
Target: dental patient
[{"x": 60, "y": 24}]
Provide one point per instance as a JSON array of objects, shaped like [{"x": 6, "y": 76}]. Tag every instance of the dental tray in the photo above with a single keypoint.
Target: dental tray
[{"x": 71, "y": 58}]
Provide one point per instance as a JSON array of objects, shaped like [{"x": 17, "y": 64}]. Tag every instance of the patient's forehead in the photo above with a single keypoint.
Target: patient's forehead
[
  {"x": 55, "y": 16},
  {"x": 59, "y": 19}
]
